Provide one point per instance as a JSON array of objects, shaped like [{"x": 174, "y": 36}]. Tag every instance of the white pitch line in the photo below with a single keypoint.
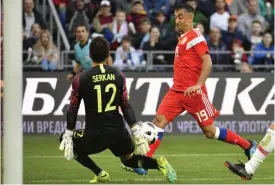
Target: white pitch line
[
  {"x": 129, "y": 180},
  {"x": 166, "y": 155}
]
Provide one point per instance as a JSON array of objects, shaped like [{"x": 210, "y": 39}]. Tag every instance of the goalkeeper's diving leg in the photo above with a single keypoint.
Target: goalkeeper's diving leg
[
  {"x": 86, "y": 161},
  {"x": 140, "y": 161},
  {"x": 139, "y": 171},
  {"x": 100, "y": 175},
  {"x": 153, "y": 147}
]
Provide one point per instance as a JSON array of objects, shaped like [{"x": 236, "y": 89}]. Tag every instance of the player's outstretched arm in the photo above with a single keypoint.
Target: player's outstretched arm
[
  {"x": 141, "y": 143},
  {"x": 126, "y": 108}
]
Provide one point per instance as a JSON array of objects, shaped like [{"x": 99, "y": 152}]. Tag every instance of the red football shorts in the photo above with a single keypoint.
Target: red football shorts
[{"x": 199, "y": 106}]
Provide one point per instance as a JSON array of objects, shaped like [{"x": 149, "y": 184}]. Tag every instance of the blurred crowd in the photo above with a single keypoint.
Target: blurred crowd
[{"x": 238, "y": 32}]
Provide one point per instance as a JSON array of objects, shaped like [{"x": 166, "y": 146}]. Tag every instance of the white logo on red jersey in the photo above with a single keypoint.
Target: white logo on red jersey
[{"x": 183, "y": 40}]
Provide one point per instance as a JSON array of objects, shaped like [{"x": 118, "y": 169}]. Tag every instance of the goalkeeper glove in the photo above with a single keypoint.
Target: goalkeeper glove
[
  {"x": 67, "y": 145},
  {"x": 140, "y": 141}
]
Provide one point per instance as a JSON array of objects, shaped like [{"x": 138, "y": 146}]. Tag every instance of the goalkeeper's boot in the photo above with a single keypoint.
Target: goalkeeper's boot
[
  {"x": 239, "y": 169},
  {"x": 251, "y": 150},
  {"x": 167, "y": 170},
  {"x": 102, "y": 177},
  {"x": 139, "y": 171}
]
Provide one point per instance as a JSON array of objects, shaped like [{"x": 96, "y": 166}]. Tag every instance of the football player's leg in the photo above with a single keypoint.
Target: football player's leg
[
  {"x": 265, "y": 147},
  {"x": 82, "y": 150},
  {"x": 140, "y": 161},
  {"x": 205, "y": 113},
  {"x": 125, "y": 146},
  {"x": 168, "y": 109}
]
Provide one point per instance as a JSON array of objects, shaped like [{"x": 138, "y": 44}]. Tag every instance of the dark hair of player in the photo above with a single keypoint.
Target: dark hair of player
[
  {"x": 99, "y": 50},
  {"x": 185, "y": 7}
]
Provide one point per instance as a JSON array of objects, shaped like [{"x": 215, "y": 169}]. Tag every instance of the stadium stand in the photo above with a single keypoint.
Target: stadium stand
[{"x": 237, "y": 31}]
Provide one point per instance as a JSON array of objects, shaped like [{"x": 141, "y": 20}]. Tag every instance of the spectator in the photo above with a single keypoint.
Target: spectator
[
  {"x": 152, "y": 7},
  {"x": 82, "y": 6},
  {"x": 245, "y": 20},
  {"x": 143, "y": 36},
  {"x": 162, "y": 24},
  {"x": 154, "y": 44},
  {"x": 202, "y": 30},
  {"x": 255, "y": 37},
  {"x": 126, "y": 56},
  {"x": 220, "y": 17},
  {"x": 269, "y": 15},
  {"x": 103, "y": 20},
  {"x": 238, "y": 7},
  {"x": 238, "y": 55},
  {"x": 138, "y": 13},
  {"x": 96, "y": 3},
  {"x": 45, "y": 52},
  {"x": 246, "y": 68},
  {"x": 172, "y": 39},
  {"x": 198, "y": 16},
  {"x": 124, "y": 5},
  {"x": 264, "y": 52},
  {"x": 32, "y": 40},
  {"x": 61, "y": 6},
  {"x": 119, "y": 28},
  {"x": 216, "y": 45},
  {"x": 206, "y": 7},
  {"x": 30, "y": 16},
  {"x": 79, "y": 17},
  {"x": 57, "y": 3},
  {"x": 170, "y": 43},
  {"x": 232, "y": 32}
]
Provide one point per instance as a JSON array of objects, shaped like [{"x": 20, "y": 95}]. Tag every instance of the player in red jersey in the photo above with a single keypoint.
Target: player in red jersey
[{"x": 192, "y": 65}]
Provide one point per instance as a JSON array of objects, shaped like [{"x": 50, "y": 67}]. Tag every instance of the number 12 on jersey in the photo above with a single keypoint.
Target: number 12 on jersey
[{"x": 108, "y": 107}]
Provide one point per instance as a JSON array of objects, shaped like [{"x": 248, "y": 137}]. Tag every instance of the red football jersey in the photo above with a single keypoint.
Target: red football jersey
[{"x": 187, "y": 61}]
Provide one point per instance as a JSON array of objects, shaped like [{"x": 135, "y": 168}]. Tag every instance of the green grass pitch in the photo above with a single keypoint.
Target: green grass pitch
[{"x": 196, "y": 159}]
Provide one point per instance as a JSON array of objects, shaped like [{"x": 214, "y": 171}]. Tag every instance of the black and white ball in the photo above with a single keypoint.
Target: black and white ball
[{"x": 150, "y": 132}]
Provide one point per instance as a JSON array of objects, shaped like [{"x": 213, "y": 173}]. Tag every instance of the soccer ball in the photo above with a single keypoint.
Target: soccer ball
[{"x": 150, "y": 131}]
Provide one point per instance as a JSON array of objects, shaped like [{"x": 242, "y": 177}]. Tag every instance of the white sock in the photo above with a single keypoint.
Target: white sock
[
  {"x": 265, "y": 147},
  {"x": 217, "y": 133}
]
